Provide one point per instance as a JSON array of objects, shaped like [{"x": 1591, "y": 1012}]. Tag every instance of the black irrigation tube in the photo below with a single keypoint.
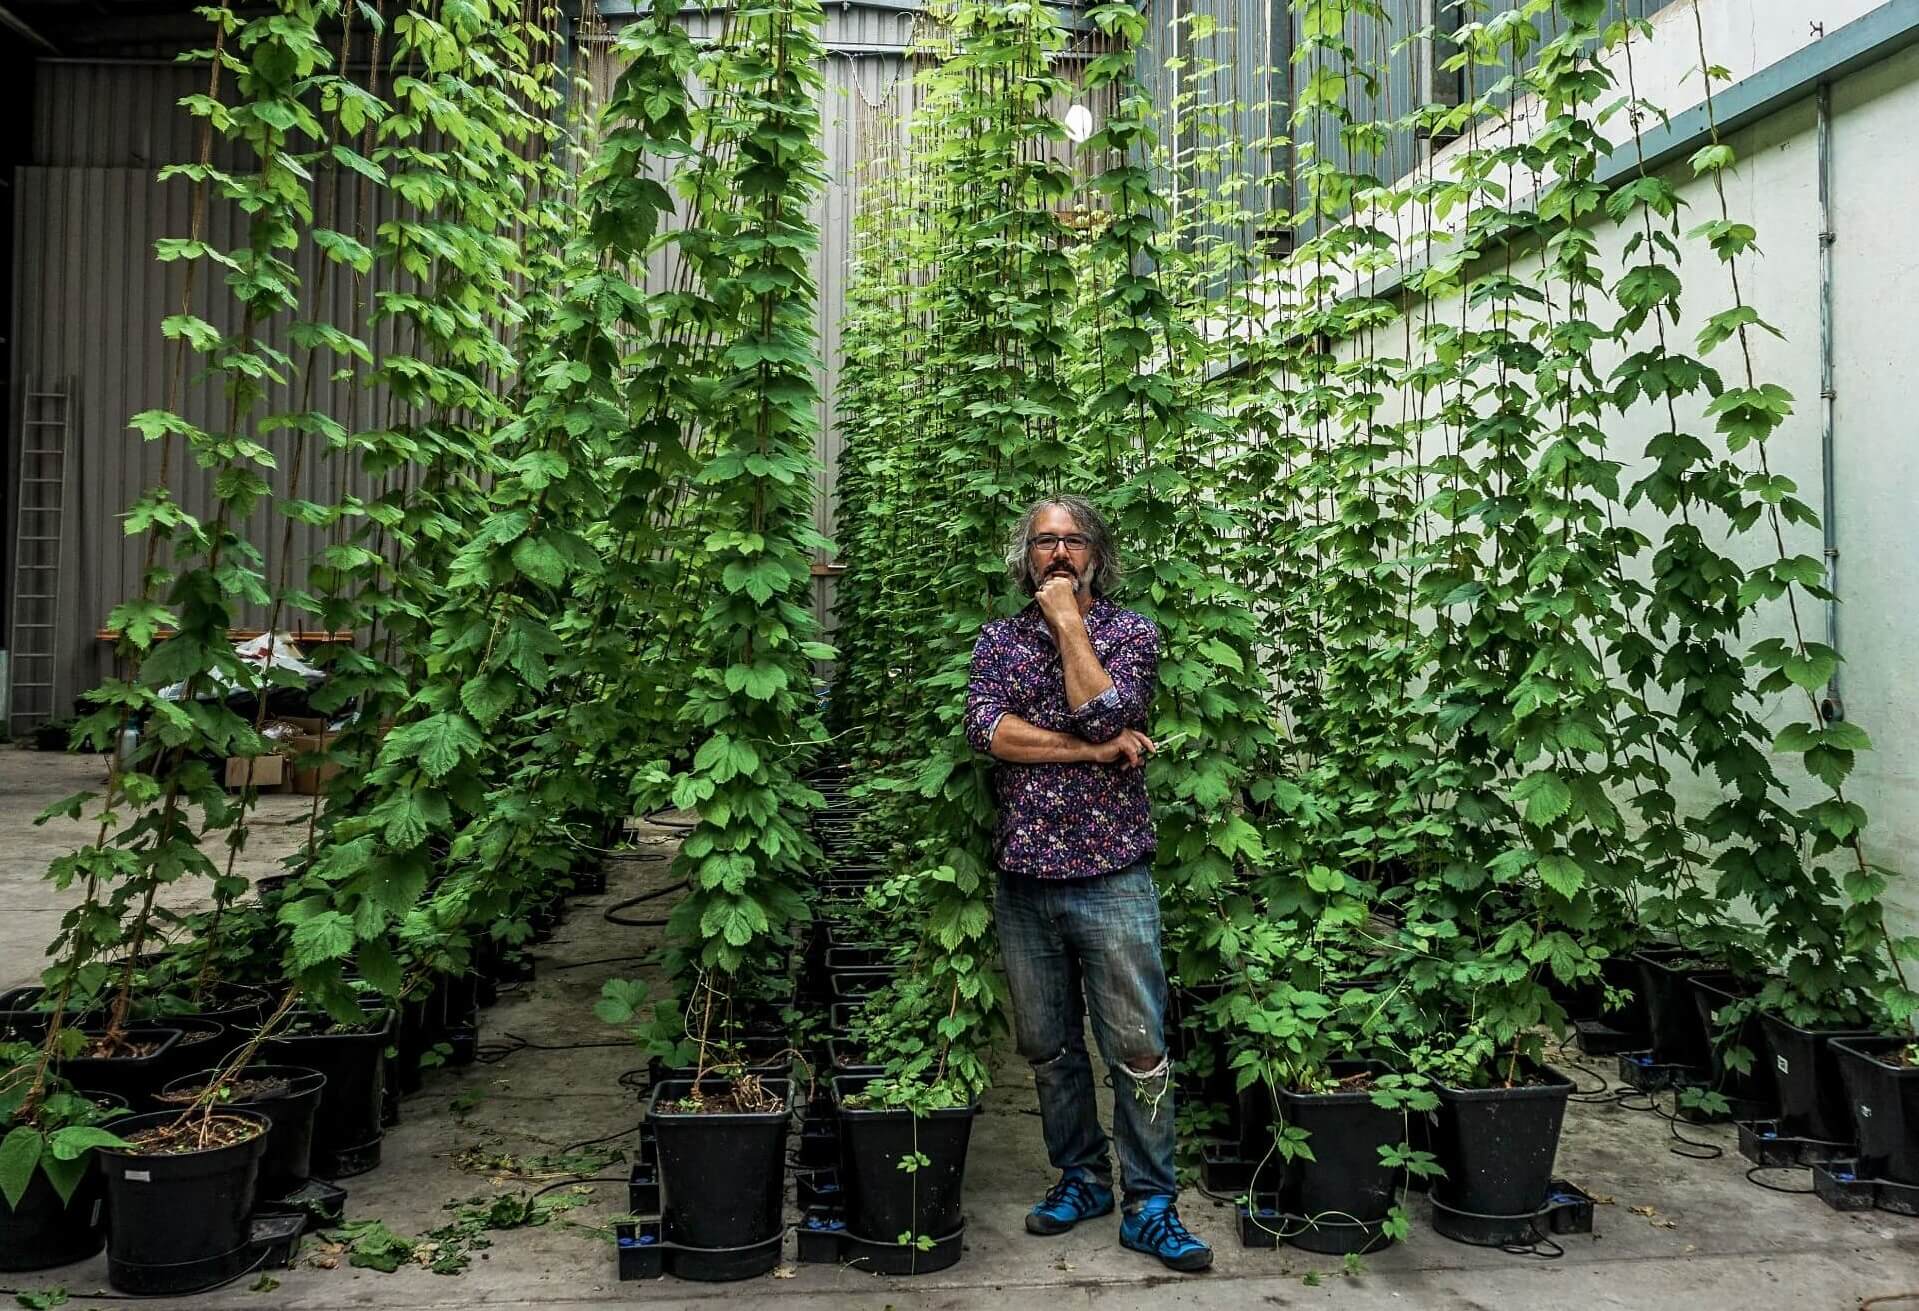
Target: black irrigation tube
[
  {"x": 612, "y": 913},
  {"x": 22, "y": 1293}
]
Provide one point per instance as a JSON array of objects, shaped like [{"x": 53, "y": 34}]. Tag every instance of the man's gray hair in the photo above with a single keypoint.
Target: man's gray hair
[{"x": 1104, "y": 569}]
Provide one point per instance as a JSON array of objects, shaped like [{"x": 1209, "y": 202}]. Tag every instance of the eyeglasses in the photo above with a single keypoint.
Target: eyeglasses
[{"x": 1074, "y": 542}]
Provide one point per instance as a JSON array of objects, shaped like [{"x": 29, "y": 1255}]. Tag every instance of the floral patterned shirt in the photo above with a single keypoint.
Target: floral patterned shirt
[{"x": 1066, "y": 821}]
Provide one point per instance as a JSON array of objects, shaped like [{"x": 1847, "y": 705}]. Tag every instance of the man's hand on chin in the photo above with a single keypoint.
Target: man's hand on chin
[{"x": 1058, "y": 598}]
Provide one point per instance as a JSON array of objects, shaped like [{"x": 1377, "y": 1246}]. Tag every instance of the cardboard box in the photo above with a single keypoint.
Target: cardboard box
[
  {"x": 264, "y": 772},
  {"x": 305, "y": 775},
  {"x": 308, "y": 778}
]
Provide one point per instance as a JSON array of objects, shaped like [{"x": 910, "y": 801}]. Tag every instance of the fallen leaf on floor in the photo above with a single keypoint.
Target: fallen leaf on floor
[
  {"x": 1064, "y": 1265},
  {"x": 1663, "y": 1223},
  {"x": 1642, "y": 1210},
  {"x": 784, "y": 1272},
  {"x": 1599, "y": 1200}
]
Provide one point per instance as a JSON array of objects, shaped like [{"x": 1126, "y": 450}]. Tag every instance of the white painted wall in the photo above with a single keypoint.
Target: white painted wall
[{"x": 1875, "y": 172}]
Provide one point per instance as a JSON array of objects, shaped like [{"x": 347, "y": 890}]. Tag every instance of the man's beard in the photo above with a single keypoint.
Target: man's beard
[{"x": 1064, "y": 570}]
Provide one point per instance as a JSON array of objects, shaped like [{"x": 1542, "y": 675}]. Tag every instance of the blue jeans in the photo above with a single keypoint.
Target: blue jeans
[{"x": 1073, "y": 943}]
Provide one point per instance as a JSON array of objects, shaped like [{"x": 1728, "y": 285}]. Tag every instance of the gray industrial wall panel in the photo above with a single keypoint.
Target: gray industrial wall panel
[{"x": 89, "y": 304}]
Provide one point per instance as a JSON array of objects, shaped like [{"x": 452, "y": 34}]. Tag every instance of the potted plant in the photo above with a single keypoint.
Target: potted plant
[
  {"x": 180, "y": 1190},
  {"x": 1881, "y": 1075},
  {"x": 289, "y": 1096},
  {"x": 351, "y": 1056},
  {"x": 903, "y": 1146},
  {"x": 51, "y": 1201}
]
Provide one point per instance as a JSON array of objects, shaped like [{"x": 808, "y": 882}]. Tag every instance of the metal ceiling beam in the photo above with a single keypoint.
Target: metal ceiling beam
[{"x": 13, "y": 22}]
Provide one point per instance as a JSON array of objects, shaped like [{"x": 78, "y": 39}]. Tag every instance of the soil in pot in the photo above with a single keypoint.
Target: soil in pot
[
  {"x": 347, "y": 1129},
  {"x": 1812, "y": 1095},
  {"x": 1343, "y": 1194},
  {"x": 132, "y": 1067},
  {"x": 722, "y": 1172},
  {"x": 884, "y": 1201},
  {"x": 179, "y": 1201},
  {"x": 1497, "y": 1146},
  {"x": 1882, "y": 1086},
  {"x": 289, "y": 1096}
]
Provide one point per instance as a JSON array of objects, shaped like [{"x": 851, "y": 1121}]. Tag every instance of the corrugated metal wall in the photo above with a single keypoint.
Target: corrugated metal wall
[
  {"x": 91, "y": 296},
  {"x": 89, "y": 301}
]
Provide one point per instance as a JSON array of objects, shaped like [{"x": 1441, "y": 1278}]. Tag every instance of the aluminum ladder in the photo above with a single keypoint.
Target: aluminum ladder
[{"x": 46, "y": 432}]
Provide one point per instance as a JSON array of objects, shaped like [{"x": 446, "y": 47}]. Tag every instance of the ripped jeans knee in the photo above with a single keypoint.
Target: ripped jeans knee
[{"x": 1150, "y": 1084}]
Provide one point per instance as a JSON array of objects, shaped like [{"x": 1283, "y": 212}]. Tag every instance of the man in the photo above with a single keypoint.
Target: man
[{"x": 1058, "y": 696}]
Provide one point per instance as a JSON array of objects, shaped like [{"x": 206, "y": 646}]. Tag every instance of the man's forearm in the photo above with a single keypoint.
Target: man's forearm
[
  {"x": 1086, "y": 677},
  {"x": 1021, "y": 743}
]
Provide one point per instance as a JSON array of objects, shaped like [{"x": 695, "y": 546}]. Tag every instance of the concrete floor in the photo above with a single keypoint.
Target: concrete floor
[{"x": 1711, "y": 1239}]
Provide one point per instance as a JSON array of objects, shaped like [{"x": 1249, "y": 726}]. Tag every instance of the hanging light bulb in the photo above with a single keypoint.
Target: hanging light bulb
[{"x": 1079, "y": 123}]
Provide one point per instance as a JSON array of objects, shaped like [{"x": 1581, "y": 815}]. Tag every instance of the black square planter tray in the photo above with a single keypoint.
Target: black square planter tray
[
  {"x": 1637, "y": 1070},
  {"x": 818, "y": 1189},
  {"x": 1263, "y": 1225},
  {"x": 643, "y": 1189},
  {"x": 819, "y": 1146},
  {"x": 275, "y": 1239},
  {"x": 1840, "y": 1188},
  {"x": 1761, "y": 1143},
  {"x": 644, "y": 1253},
  {"x": 1568, "y": 1209},
  {"x": 1597, "y": 1038},
  {"x": 824, "y": 1239},
  {"x": 1222, "y": 1170},
  {"x": 318, "y": 1201}
]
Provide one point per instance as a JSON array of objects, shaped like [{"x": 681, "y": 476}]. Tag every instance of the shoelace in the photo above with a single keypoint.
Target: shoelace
[
  {"x": 1163, "y": 1228},
  {"x": 1072, "y": 1189}
]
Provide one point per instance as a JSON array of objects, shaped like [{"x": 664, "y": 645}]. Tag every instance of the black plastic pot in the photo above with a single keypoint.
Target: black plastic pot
[
  {"x": 180, "y": 1223},
  {"x": 1711, "y": 994},
  {"x": 43, "y": 1231},
  {"x": 288, "y": 1159},
  {"x": 1341, "y": 1196},
  {"x": 1812, "y": 1096},
  {"x": 19, "y": 1020},
  {"x": 1497, "y": 1147},
  {"x": 722, "y": 1181},
  {"x": 861, "y": 956},
  {"x": 1678, "y": 1035},
  {"x": 347, "y": 1131},
  {"x": 855, "y": 985},
  {"x": 136, "y": 1078},
  {"x": 846, "y": 1057},
  {"x": 884, "y": 1201},
  {"x": 1884, "y": 1093}
]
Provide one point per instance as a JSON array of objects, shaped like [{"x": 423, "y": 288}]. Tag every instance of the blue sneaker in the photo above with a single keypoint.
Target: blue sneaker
[
  {"x": 1155, "y": 1229},
  {"x": 1077, "y": 1196}
]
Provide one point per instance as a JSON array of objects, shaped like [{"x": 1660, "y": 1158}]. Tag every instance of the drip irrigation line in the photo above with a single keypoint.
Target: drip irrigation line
[
  {"x": 612, "y": 913},
  {"x": 680, "y": 824},
  {"x": 595, "y": 1142},
  {"x": 492, "y": 1053},
  {"x": 568, "y": 1183},
  {"x": 1751, "y": 1177},
  {"x": 582, "y": 964},
  {"x": 643, "y": 857}
]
